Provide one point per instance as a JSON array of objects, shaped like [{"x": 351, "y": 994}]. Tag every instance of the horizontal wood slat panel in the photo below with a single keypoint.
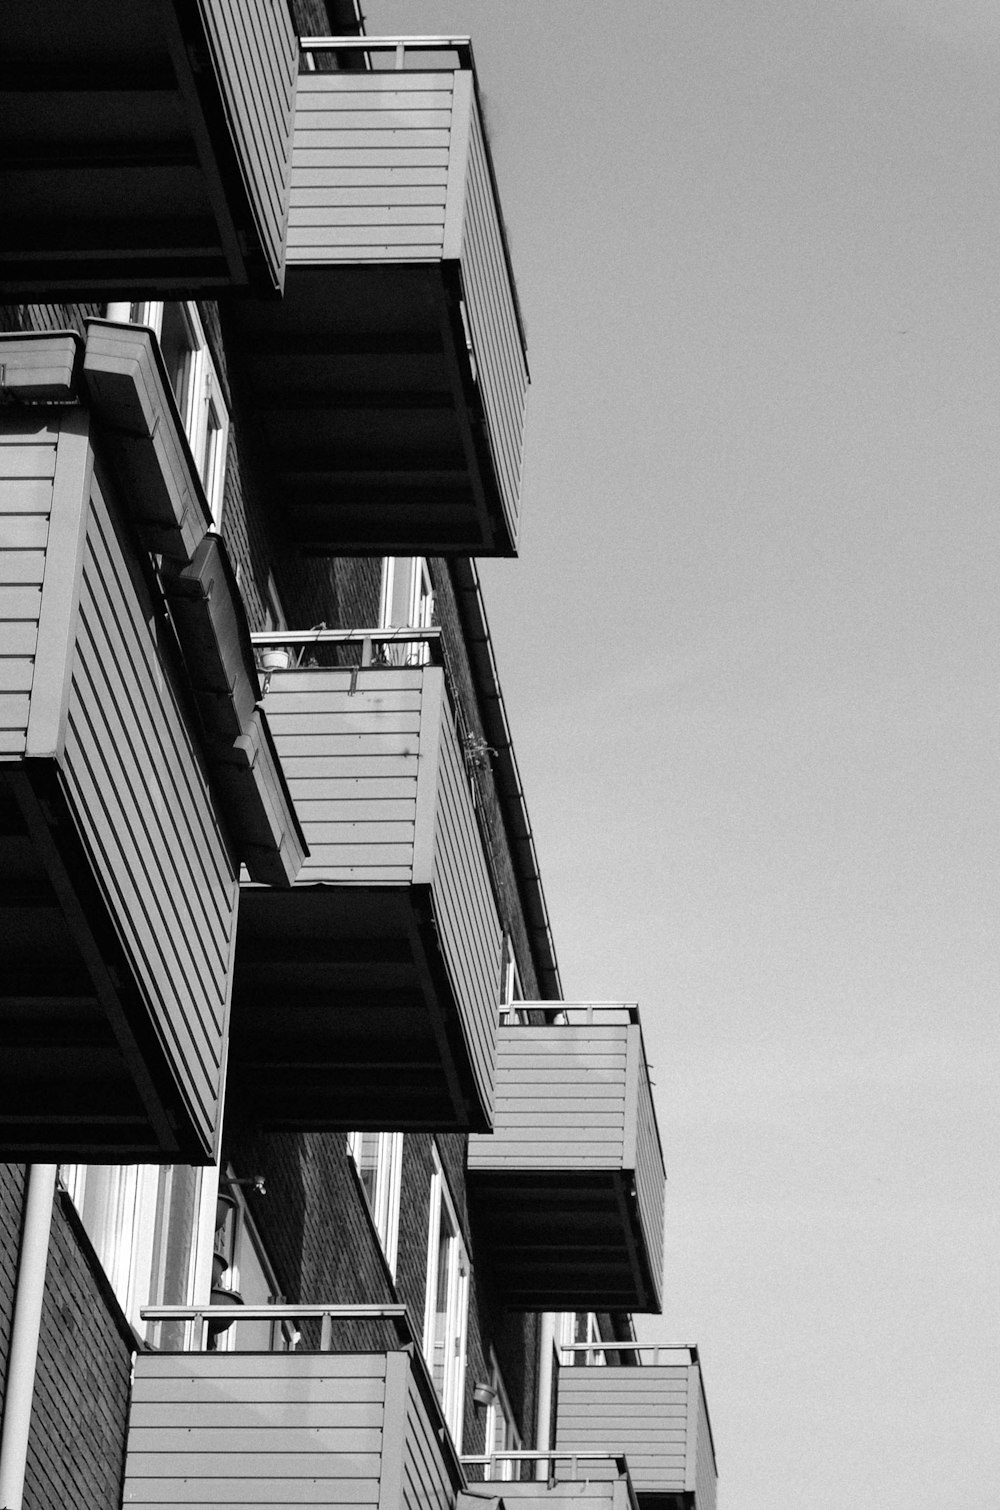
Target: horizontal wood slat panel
[
  {"x": 27, "y": 472},
  {"x": 147, "y": 816},
  {"x": 557, "y": 1129},
  {"x": 359, "y": 217},
  {"x": 22, "y": 566},
  {"x": 237, "y": 1494},
  {"x": 366, "y": 141},
  {"x": 416, "y": 204},
  {"x": 16, "y": 673},
  {"x": 240, "y": 1456},
  {"x": 177, "y": 1376},
  {"x": 466, "y": 910},
  {"x": 24, "y": 531},
  {"x": 255, "y": 57},
  {"x": 281, "y": 1430},
  {"x": 653, "y": 1413},
  {"x": 390, "y": 81},
  {"x": 369, "y": 185},
  {"x": 341, "y": 1414}
]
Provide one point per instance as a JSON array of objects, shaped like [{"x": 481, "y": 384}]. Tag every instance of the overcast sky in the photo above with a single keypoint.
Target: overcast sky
[{"x": 750, "y": 658}]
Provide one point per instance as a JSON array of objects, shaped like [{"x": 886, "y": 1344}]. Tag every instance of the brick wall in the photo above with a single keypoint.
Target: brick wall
[
  {"x": 314, "y": 1224},
  {"x": 513, "y": 1336},
  {"x": 76, "y": 1446},
  {"x": 47, "y": 316}
]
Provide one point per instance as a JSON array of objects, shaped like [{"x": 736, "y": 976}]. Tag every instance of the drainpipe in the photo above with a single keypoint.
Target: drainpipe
[
  {"x": 24, "y": 1333},
  {"x": 543, "y": 1413},
  {"x": 120, "y": 312}
]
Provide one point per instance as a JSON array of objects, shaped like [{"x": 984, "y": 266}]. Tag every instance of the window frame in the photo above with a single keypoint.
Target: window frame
[
  {"x": 123, "y": 1209},
  {"x": 406, "y": 601},
  {"x": 569, "y": 1333},
  {"x": 200, "y": 400},
  {"x": 383, "y": 1200},
  {"x": 451, "y": 1393}
]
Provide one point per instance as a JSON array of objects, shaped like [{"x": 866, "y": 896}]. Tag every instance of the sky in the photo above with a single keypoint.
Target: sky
[{"x": 750, "y": 659}]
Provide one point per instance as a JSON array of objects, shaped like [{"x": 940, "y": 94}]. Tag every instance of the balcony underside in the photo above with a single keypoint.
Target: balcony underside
[
  {"x": 118, "y": 172},
  {"x": 563, "y": 1241},
  {"x": 82, "y": 1075},
  {"x": 343, "y": 1016},
  {"x": 367, "y": 415}
]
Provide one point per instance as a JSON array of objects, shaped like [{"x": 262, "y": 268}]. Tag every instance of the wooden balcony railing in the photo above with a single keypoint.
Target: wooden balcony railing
[
  {"x": 570, "y": 1185},
  {"x": 348, "y": 1423},
  {"x": 389, "y": 386},
  {"x": 648, "y": 1403},
  {"x": 128, "y": 795},
  {"x": 366, "y": 996}
]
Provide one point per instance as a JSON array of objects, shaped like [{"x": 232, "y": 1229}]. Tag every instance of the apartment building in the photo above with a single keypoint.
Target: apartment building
[{"x": 316, "y": 1190}]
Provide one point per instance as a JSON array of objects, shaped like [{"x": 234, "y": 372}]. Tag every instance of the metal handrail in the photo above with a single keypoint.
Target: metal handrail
[
  {"x": 656, "y": 1348},
  {"x": 200, "y": 1316},
  {"x": 491, "y": 1459},
  {"x": 366, "y": 638},
  {"x": 462, "y": 46},
  {"x": 583, "y": 1010}
]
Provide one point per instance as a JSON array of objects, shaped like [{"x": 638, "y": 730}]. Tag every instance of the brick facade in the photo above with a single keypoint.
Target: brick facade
[{"x": 76, "y": 1447}]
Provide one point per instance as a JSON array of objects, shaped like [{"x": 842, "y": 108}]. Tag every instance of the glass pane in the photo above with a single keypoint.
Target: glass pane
[
  {"x": 445, "y": 1261},
  {"x": 177, "y": 346},
  {"x": 173, "y": 1247}
]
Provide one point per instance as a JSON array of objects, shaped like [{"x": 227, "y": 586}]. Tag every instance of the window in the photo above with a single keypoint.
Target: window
[
  {"x": 407, "y": 602},
  {"x": 580, "y": 1327},
  {"x": 148, "y": 1228},
  {"x": 199, "y": 396},
  {"x": 502, "y": 1434},
  {"x": 446, "y": 1305},
  {"x": 196, "y": 388},
  {"x": 378, "y": 1157}
]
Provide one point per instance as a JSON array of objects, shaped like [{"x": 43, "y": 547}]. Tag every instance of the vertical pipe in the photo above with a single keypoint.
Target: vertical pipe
[
  {"x": 120, "y": 311},
  {"x": 24, "y": 1333},
  {"x": 543, "y": 1409}
]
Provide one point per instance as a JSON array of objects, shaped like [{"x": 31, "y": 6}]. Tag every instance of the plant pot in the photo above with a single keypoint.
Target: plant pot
[
  {"x": 275, "y": 659},
  {"x": 225, "y": 1205},
  {"x": 222, "y": 1297}
]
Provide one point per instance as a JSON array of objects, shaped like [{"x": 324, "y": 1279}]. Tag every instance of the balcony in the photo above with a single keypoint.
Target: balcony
[
  {"x": 145, "y": 159},
  {"x": 569, "y": 1188},
  {"x": 357, "y": 1426},
  {"x": 652, "y": 1409},
  {"x": 128, "y": 791},
  {"x": 548, "y": 1481},
  {"x": 366, "y": 995},
  {"x": 388, "y": 387}
]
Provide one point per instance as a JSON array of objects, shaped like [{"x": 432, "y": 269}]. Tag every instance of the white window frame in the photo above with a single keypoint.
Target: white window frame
[
  {"x": 454, "y": 1343},
  {"x": 122, "y": 1208},
  {"x": 383, "y": 1200},
  {"x": 568, "y": 1331},
  {"x": 406, "y": 602},
  {"x": 200, "y": 402}
]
